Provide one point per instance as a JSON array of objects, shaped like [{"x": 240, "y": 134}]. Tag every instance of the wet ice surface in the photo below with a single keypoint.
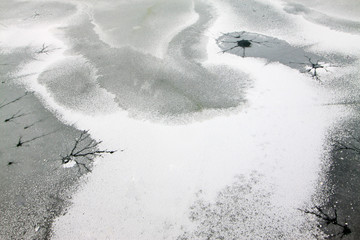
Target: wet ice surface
[
  {"x": 247, "y": 44},
  {"x": 73, "y": 84},
  {"x": 145, "y": 84},
  {"x": 140, "y": 21},
  {"x": 32, "y": 185},
  {"x": 123, "y": 69}
]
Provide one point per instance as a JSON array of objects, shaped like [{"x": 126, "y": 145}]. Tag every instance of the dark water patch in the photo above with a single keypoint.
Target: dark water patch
[
  {"x": 34, "y": 188},
  {"x": 343, "y": 177},
  {"x": 317, "y": 17},
  {"x": 160, "y": 87}
]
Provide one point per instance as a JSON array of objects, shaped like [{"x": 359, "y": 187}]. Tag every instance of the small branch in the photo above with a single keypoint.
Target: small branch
[
  {"x": 79, "y": 165},
  {"x": 11, "y": 163},
  {"x": 44, "y": 49},
  {"x": 313, "y": 67},
  {"x": 353, "y": 143},
  {"x": 15, "y": 100},
  {"x": 84, "y": 147},
  {"x": 21, "y": 142},
  {"x": 35, "y": 15},
  {"x": 16, "y": 115},
  {"x": 329, "y": 220},
  {"x": 339, "y": 146},
  {"x": 34, "y": 123}
]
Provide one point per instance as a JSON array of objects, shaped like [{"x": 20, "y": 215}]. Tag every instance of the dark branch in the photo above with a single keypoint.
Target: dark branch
[
  {"x": 33, "y": 124},
  {"x": 35, "y": 15},
  {"x": 15, "y": 100},
  {"x": 84, "y": 147},
  {"x": 16, "y": 115},
  {"x": 44, "y": 49},
  {"x": 312, "y": 67},
  {"x": 353, "y": 143},
  {"x": 21, "y": 142},
  {"x": 329, "y": 220}
]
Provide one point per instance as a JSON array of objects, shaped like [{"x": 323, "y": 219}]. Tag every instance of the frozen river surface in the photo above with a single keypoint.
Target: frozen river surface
[{"x": 219, "y": 110}]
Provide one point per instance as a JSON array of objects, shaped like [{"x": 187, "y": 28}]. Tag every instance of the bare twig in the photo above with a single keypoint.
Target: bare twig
[
  {"x": 31, "y": 125},
  {"x": 17, "y": 99},
  {"x": 312, "y": 68},
  {"x": 44, "y": 49},
  {"x": 84, "y": 147},
  {"x": 353, "y": 143},
  {"x": 340, "y": 146},
  {"x": 11, "y": 163},
  {"x": 35, "y": 15},
  {"x": 21, "y": 142},
  {"x": 318, "y": 212},
  {"x": 16, "y": 115}
]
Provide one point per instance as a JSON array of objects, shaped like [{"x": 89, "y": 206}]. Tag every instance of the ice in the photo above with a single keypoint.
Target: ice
[
  {"x": 72, "y": 83},
  {"x": 147, "y": 25},
  {"x": 149, "y": 77},
  {"x": 147, "y": 85}
]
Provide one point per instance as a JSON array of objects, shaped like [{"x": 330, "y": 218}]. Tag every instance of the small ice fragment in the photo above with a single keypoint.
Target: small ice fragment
[{"x": 69, "y": 164}]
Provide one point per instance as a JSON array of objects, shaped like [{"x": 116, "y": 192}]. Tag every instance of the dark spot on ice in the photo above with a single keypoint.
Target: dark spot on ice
[{"x": 244, "y": 43}]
